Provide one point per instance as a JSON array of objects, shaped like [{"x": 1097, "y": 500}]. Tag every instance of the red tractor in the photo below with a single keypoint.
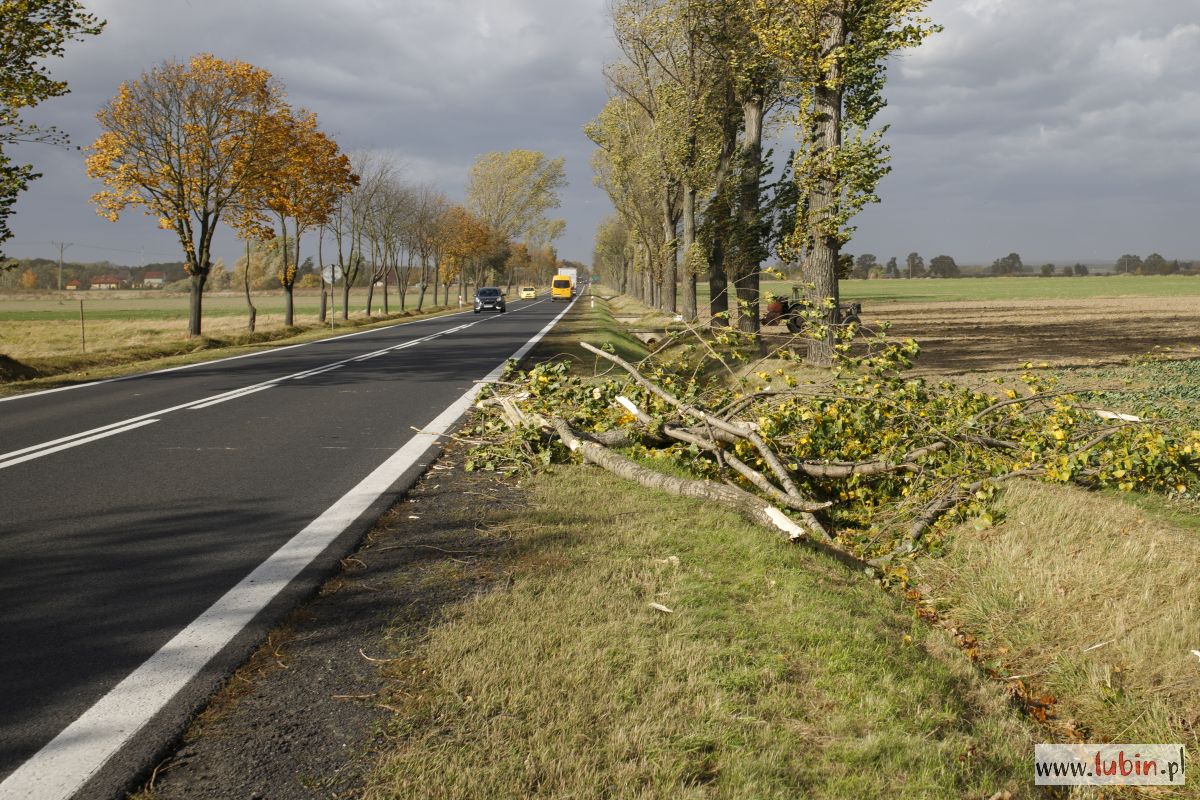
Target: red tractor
[{"x": 793, "y": 312}]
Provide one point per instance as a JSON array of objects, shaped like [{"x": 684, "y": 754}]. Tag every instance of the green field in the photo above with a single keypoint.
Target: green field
[{"x": 1029, "y": 288}]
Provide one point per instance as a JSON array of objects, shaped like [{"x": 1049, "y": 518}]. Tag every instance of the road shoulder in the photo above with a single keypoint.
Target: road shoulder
[{"x": 302, "y": 718}]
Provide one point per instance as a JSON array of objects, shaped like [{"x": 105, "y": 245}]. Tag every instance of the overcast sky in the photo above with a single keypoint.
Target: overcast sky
[{"x": 1063, "y": 130}]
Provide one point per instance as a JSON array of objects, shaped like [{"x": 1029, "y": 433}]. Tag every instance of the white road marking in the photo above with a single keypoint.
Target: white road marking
[
  {"x": 235, "y": 396},
  {"x": 66, "y": 763},
  {"x": 75, "y": 443},
  {"x": 47, "y": 448}
]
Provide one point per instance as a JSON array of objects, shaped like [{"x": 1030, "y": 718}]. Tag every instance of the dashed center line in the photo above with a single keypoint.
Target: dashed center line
[{"x": 32, "y": 452}]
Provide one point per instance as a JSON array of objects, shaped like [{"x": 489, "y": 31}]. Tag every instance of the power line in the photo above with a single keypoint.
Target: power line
[{"x": 94, "y": 247}]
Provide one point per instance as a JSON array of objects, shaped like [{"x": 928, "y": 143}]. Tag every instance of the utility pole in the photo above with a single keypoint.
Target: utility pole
[{"x": 62, "y": 246}]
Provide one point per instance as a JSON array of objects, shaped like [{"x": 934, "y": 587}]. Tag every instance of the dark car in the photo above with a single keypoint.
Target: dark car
[{"x": 489, "y": 298}]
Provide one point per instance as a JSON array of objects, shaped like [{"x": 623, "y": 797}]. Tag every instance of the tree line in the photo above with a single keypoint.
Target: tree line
[
  {"x": 207, "y": 141},
  {"x": 681, "y": 153}
]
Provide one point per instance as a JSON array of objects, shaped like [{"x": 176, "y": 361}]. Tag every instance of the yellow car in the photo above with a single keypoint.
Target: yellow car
[{"x": 528, "y": 292}]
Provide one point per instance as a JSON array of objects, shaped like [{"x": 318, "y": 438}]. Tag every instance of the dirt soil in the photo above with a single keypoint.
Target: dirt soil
[
  {"x": 959, "y": 337},
  {"x": 301, "y": 719}
]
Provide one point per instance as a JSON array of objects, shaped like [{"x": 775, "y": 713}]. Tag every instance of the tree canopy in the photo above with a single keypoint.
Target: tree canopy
[{"x": 31, "y": 31}]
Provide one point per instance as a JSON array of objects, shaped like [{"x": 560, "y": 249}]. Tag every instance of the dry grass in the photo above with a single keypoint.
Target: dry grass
[
  {"x": 46, "y": 325},
  {"x": 1095, "y": 599},
  {"x": 779, "y": 674}
]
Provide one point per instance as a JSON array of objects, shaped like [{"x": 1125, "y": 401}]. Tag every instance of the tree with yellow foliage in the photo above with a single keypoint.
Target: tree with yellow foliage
[
  {"x": 466, "y": 239},
  {"x": 184, "y": 142},
  {"x": 834, "y": 55},
  {"x": 304, "y": 175}
]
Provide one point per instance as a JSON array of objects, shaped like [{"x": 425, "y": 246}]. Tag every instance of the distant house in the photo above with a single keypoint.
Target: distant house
[
  {"x": 154, "y": 280},
  {"x": 106, "y": 282},
  {"x": 74, "y": 285}
]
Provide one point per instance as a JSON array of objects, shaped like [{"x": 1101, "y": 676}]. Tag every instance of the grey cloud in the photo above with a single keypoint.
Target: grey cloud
[{"x": 1063, "y": 129}]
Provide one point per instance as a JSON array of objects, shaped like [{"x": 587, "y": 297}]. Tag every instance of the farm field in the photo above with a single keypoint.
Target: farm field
[
  {"x": 971, "y": 325},
  {"x": 47, "y": 324},
  {"x": 1027, "y": 288},
  {"x": 976, "y": 324}
]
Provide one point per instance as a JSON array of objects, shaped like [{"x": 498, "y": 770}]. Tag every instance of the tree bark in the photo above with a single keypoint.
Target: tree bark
[
  {"x": 288, "y": 305},
  {"x": 668, "y": 288},
  {"x": 196, "y": 302},
  {"x": 320, "y": 270},
  {"x": 746, "y": 282},
  {"x": 821, "y": 263},
  {"x": 252, "y": 314},
  {"x": 689, "y": 241},
  {"x": 718, "y": 286}
]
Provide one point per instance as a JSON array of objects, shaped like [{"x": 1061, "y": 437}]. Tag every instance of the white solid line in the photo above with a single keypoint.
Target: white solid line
[
  {"x": 241, "y": 394},
  {"x": 68, "y": 445},
  {"x": 67, "y": 762}
]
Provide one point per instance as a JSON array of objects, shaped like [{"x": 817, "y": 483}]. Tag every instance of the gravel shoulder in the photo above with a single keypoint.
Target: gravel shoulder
[{"x": 302, "y": 718}]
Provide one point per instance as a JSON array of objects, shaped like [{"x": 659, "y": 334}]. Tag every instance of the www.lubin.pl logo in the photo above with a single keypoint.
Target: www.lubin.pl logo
[{"x": 1109, "y": 765}]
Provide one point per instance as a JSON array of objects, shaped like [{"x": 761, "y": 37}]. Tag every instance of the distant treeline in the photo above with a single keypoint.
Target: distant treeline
[
  {"x": 868, "y": 266},
  {"x": 43, "y": 273}
]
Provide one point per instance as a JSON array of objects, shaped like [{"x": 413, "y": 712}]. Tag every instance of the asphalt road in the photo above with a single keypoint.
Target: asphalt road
[{"x": 137, "y": 509}]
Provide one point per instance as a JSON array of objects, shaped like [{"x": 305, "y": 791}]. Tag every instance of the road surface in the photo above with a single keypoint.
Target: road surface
[{"x": 154, "y": 527}]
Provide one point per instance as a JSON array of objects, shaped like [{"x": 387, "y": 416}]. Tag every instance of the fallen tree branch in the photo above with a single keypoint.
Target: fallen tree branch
[{"x": 753, "y": 507}]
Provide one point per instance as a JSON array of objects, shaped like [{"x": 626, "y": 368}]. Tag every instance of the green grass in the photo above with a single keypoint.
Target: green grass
[
  {"x": 591, "y": 320},
  {"x": 779, "y": 675}
]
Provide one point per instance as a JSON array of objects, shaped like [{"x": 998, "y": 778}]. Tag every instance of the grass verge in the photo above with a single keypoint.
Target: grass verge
[
  {"x": 775, "y": 674},
  {"x": 778, "y": 674},
  {"x": 1090, "y": 597}
]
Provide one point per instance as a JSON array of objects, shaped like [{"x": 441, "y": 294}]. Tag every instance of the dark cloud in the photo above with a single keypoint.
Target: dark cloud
[
  {"x": 1063, "y": 130},
  {"x": 432, "y": 83}
]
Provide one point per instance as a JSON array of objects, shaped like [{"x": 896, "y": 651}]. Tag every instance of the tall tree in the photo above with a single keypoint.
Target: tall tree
[
  {"x": 834, "y": 54},
  {"x": 916, "y": 265},
  {"x": 184, "y": 141},
  {"x": 1129, "y": 264},
  {"x": 305, "y": 175},
  {"x": 512, "y": 192},
  {"x": 943, "y": 267},
  {"x": 31, "y": 31}
]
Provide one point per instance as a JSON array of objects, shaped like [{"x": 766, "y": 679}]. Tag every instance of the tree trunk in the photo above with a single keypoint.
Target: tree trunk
[
  {"x": 668, "y": 292},
  {"x": 422, "y": 285},
  {"x": 196, "y": 302},
  {"x": 252, "y": 314},
  {"x": 370, "y": 292},
  {"x": 321, "y": 271},
  {"x": 385, "y": 292},
  {"x": 324, "y": 303},
  {"x": 345, "y": 296},
  {"x": 746, "y": 281},
  {"x": 821, "y": 263},
  {"x": 288, "y": 305},
  {"x": 689, "y": 242},
  {"x": 718, "y": 286}
]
